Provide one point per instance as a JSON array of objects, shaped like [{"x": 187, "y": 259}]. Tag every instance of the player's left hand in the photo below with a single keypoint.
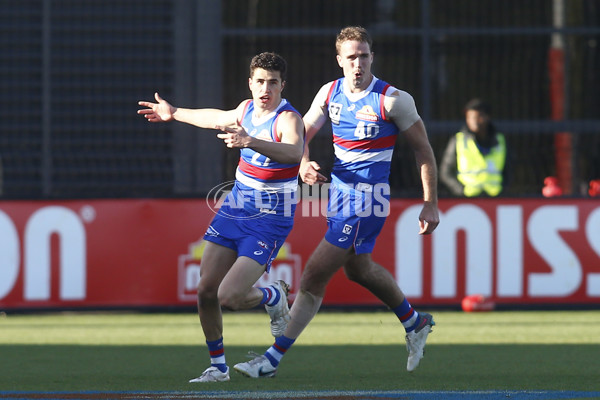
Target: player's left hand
[
  {"x": 234, "y": 136},
  {"x": 309, "y": 173}
]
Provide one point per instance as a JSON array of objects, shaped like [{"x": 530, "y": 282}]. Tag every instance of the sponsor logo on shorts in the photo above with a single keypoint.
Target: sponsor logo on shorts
[
  {"x": 211, "y": 231},
  {"x": 347, "y": 229},
  {"x": 263, "y": 244},
  {"x": 343, "y": 239},
  {"x": 364, "y": 187},
  {"x": 258, "y": 252}
]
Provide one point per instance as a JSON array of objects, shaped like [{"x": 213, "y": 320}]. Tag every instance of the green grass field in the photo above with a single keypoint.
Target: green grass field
[{"x": 528, "y": 350}]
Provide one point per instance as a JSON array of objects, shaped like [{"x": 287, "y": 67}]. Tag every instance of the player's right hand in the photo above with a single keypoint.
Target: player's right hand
[
  {"x": 161, "y": 111},
  {"x": 309, "y": 173}
]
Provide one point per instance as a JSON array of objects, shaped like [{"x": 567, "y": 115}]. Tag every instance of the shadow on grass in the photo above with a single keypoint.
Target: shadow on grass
[{"x": 349, "y": 367}]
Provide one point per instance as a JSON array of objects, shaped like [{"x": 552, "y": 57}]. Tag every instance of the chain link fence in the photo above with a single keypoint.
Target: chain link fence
[{"x": 72, "y": 71}]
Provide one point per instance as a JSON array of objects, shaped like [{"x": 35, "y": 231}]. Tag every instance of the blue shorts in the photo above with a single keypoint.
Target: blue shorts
[
  {"x": 258, "y": 238},
  {"x": 355, "y": 217}
]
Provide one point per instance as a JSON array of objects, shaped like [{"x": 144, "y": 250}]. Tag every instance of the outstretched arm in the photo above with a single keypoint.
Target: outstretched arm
[{"x": 163, "y": 111}]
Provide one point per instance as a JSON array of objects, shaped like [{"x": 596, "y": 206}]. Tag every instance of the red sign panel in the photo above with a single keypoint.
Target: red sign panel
[{"x": 139, "y": 253}]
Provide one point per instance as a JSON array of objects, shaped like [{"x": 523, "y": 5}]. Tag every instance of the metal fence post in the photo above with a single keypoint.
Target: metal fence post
[
  {"x": 198, "y": 84},
  {"x": 425, "y": 60},
  {"x": 46, "y": 156}
]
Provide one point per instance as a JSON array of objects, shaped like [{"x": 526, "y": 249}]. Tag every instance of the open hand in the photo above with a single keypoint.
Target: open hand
[
  {"x": 309, "y": 173},
  {"x": 161, "y": 111},
  {"x": 234, "y": 136}
]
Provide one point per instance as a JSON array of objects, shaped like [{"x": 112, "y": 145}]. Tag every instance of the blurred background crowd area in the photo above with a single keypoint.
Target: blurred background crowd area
[{"x": 72, "y": 71}]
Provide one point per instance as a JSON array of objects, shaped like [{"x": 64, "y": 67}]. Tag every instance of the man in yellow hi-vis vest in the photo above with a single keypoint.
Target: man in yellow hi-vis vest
[{"x": 474, "y": 163}]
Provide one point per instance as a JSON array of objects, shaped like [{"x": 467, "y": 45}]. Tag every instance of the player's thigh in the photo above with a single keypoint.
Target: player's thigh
[
  {"x": 216, "y": 262},
  {"x": 241, "y": 277}
]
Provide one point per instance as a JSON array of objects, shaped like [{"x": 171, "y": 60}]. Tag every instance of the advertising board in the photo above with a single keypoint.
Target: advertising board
[{"x": 147, "y": 253}]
